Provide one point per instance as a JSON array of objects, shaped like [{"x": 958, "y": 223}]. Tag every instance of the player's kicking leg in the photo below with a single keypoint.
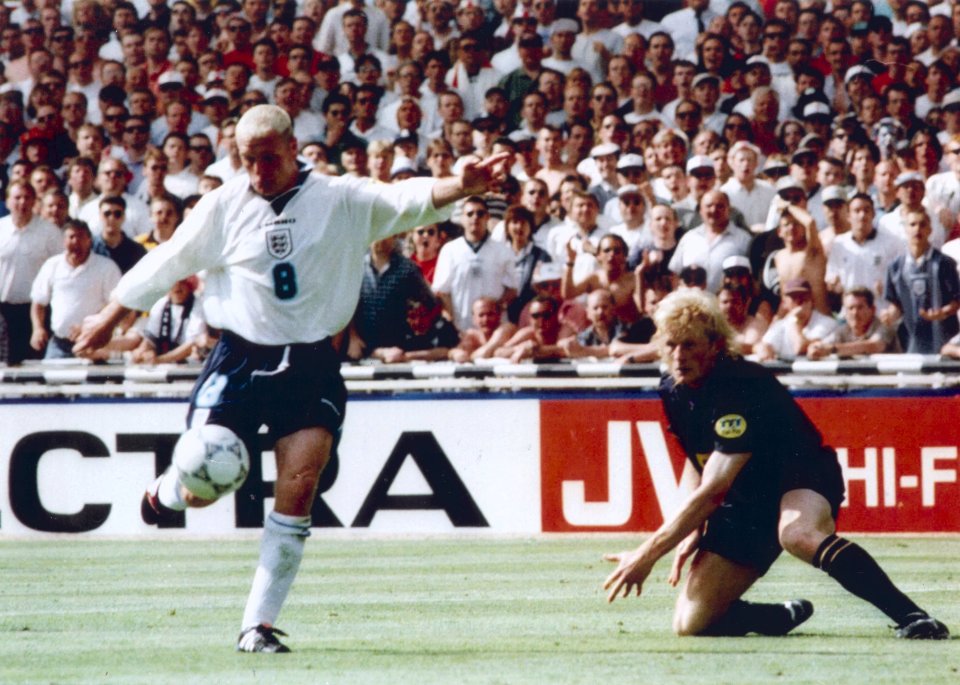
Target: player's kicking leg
[
  {"x": 808, "y": 531},
  {"x": 710, "y": 604},
  {"x": 301, "y": 457}
]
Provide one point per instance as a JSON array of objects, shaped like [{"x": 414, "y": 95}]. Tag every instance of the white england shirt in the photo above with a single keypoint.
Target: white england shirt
[{"x": 277, "y": 279}]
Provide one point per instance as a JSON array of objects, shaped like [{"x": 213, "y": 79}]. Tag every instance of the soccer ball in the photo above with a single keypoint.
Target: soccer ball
[{"x": 211, "y": 461}]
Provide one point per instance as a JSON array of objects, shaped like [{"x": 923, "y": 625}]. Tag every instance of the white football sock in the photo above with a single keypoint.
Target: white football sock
[
  {"x": 169, "y": 491},
  {"x": 281, "y": 549}
]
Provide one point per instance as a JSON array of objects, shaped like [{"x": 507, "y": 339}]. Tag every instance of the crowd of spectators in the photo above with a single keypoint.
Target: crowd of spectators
[{"x": 799, "y": 158}]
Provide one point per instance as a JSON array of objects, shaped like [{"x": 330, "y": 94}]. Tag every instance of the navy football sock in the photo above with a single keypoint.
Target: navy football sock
[{"x": 853, "y": 567}]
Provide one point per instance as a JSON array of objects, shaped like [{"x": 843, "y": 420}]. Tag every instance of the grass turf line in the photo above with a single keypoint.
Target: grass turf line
[{"x": 438, "y": 611}]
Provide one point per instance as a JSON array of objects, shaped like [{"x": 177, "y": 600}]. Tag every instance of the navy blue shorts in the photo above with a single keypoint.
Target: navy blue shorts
[
  {"x": 747, "y": 533},
  {"x": 244, "y": 386}
]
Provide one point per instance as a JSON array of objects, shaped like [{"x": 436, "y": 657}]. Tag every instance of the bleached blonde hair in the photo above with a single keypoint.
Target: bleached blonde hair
[
  {"x": 263, "y": 120},
  {"x": 693, "y": 313}
]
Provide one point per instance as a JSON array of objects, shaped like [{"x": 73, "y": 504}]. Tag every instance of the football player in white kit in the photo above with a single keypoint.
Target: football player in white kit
[{"x": 282, "y": 249}]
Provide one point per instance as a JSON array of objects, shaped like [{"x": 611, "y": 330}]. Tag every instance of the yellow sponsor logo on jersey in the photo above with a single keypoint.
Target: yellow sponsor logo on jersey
[{"x": 730, "y": 426}]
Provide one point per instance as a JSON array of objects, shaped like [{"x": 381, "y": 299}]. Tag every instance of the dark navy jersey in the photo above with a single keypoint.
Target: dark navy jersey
[{"x": 743, "y": 408}]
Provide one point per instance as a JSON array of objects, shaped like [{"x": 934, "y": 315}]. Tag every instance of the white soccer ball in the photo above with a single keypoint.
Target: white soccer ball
[{"x": 211, "y": 460}]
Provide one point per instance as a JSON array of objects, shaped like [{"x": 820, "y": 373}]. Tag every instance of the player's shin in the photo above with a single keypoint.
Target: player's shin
[{"x": 281, "y": 549}]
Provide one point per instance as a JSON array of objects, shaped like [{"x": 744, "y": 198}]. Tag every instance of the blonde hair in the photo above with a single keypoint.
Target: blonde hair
[
  {"x": 263, "y": 120},
  {"x": 693, "y": 313}
]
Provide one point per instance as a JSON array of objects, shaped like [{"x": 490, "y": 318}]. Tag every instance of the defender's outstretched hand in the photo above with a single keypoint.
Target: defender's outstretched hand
[{"x": 632, "y": 569}]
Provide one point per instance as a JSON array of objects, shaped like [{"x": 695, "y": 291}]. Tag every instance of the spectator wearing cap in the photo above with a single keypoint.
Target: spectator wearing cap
[
  {"x": 713, "y": 241},
  {"x": 631, "y": 170},
  {"x": 951, "y": 115},
  {"x": 706, "y": 93},
  {"x": 837, "y": 217},
  {"x": 910, "y": 192},
  {"x": 632, "y": 215},
  {"x": 686, "y": 24},
  {"x": 563, "y": 33},
  {"x": 803, "y": 169},
  {"x": 790, "y": 337},
  {"x": 747, "y": 193},
  {"x": 922, "y": 291},
  {"x": 595, "y": 44},
  {"x": 857, "y": 85},
  {"x": 470, "y": 75},
  {"x": 701, "y": 177},
  {"x": 602, "y": 170}
]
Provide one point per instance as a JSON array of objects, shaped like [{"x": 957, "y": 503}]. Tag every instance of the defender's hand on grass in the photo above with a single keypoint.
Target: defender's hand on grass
[{"x": 632, "y": 569}]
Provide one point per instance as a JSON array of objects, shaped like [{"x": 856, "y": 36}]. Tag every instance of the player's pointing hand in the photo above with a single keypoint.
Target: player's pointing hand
[{"x": 485, "y": 175}]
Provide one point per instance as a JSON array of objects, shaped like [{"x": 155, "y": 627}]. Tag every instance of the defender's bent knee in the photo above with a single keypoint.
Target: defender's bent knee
[{"x": 801, "y": 540}]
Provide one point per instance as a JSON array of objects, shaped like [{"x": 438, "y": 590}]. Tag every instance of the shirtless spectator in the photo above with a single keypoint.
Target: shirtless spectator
[
  {"x": 734, "y": 301},
  {"x": 489, "y": 332},
  {"x": 790, "y": 337},
  {"x": 550, "y": 145},
  {"x": 611, "y": 275},
  {"x": 540, "y": 341},
  {"x": 861, "y": 332},
  {"x": 802, "y": 256}
]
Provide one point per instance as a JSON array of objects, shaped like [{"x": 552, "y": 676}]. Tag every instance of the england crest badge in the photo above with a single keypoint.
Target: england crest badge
[{"x": 279, "y": 243}]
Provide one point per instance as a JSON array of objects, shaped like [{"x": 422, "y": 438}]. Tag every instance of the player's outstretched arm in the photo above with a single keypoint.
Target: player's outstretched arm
[
  {"x": 477, "y": 178},
  {"x": 634, "y": 567},
  {"x": 97, "y": 330}
]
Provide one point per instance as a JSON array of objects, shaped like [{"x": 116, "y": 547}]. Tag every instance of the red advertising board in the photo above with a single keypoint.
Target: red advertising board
[{"x": 610, "y": 465}]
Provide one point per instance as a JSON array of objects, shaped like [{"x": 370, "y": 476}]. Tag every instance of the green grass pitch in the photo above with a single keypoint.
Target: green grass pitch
[{"x": 468, "y": 610}]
